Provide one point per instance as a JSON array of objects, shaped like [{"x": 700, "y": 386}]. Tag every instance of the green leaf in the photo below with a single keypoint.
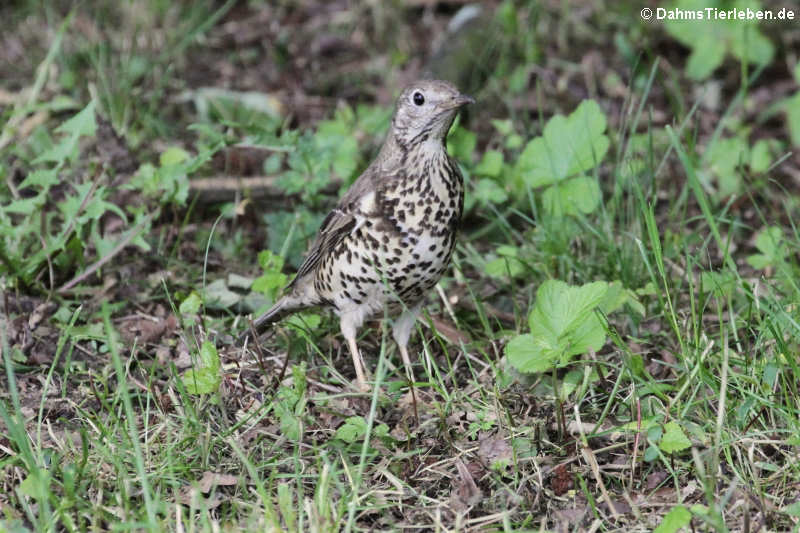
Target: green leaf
[
  {"x": 505, "y": 127},
  {"x": 724, "y": 158},
  {"x": 461, "y": 143},
  {"x": 529, "y": 354},
  {"x": 761, "y": 155},
  {"x": 217, "y": 295},
  {"x": 352, "y": 430},
  {"x": 488, "y": 192},
  {"x": 173, "y": 156},
  {"x": 711, "y": 39},
  {"x": 191, "y": 304},
  {"x": 201, "y": 381},
  {"x": 209, "y": 357},
  {"x": 770, "y": 243},
  {"x": 677, "y": 518},
  {"x": 81, "y": 124},
  {"x": 568, "y": 146},
  {"x": 793, "y": 117},
  {"x": 43, "y": 179},
  {"x": 673, "y": 439},
  {"x": 577, "y": 195},
  {"x": 491, "y": 165},
  {"x": 792, "y": 509},
  {"x": 563, "y": 324},
  {"x": 205, "y": 377}
]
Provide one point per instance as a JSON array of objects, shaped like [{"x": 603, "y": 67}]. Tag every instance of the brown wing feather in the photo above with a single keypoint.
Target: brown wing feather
[{"x": 342, "y": 219}]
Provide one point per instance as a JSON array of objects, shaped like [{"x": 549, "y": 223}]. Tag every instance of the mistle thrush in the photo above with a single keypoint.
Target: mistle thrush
[{"x": 391, "y": 236}]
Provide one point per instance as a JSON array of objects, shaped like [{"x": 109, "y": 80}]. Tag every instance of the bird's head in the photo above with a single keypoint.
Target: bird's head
[{"x": 425, "y": 111}]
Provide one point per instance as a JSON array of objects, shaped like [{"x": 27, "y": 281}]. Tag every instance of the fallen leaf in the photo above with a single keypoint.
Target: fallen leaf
[
  {"x": 562, "y": 480},
  {"x": 211, "y": 479},
  {"x": 465, "y": 493}
]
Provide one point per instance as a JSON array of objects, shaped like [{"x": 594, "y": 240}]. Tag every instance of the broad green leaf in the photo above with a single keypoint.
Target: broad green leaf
[
  {"x": 673, "y": 439},
  {"x": 491, "y": 165},
  {"x": 678, "y": 517},
  {"x": 209, "y": 356},
  {"x": 724, "y": 158},
  {"x": 563, "y": 324},
  {"x": 352, "y": 430},
  {"x": 761, "y": 155},
  {"x": 201, "y": 380},
  {"x": 487, "y": 191},
  {"x": 43, "y": 179},
  {"x": 217, "y": 295},
  {"x": 505, "y": 127},
  {"x": 711, "y": 39},
  {"x": 561, "y": 308},
  {"x": 191, "y": 304},
  {"x": 568, "y": 146},
  {"x": 173, "y": 156},
  {"x": 773, "y": 250},
  {"x": 505, "y": 265},
  {"x": 529, "y": 354},
  {"x": 461, "y": 144},
  {"x": 577, "y": 195}
]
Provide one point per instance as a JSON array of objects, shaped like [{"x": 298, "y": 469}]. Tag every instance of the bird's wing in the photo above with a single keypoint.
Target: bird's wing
[
  {"x": 335, "y": 227},
  {"x": 345, "y": 217}
]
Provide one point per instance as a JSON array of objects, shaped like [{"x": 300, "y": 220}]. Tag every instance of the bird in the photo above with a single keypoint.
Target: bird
[{"x": 390, "y": 237}]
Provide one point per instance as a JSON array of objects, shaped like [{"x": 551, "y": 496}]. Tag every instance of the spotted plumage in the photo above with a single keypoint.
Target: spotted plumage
[{"x": 390, "y": 238}]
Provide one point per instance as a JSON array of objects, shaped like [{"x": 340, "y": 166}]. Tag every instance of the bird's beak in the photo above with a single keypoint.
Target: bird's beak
[{"x": 459, "y": 101}]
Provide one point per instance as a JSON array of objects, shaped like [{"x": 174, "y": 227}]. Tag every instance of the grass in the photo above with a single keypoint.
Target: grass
[{"x": 670, "y": 402}]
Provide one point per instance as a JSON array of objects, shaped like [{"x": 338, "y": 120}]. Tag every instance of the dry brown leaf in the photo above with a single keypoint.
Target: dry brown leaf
[
  {"x": 465, "y": 492},
  {"x": 211, "y": 479}
]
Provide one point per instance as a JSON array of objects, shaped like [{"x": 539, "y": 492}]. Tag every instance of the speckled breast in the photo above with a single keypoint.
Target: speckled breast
[{"x": 401, "y": 245}]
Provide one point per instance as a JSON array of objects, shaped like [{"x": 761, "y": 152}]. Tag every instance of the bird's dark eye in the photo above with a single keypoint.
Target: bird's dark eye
[{"x": 418, "y": 98}]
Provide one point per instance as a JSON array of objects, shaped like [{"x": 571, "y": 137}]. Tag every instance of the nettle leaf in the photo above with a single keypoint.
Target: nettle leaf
[
  {"x": 771, "y": 244},
  {"x": 574, "y": 196},
  {"x": 568, "y": 146},
  {"x": 673, "y": 439},
  {"x": 563, "y": 324}
]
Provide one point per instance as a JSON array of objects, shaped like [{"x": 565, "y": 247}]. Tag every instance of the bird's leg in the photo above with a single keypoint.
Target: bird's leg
[
  {"x": 349, "y": 331},
  {"x": 401, "y": 332}
]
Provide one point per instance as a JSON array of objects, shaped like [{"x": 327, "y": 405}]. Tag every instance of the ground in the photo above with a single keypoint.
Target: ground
[{"x": 615, "y": 346}]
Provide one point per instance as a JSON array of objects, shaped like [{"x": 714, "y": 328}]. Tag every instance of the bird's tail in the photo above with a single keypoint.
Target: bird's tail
[{"x": 282, "y": 308}]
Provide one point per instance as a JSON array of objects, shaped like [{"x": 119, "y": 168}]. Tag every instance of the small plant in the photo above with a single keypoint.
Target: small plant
[
  {"x": 564, "y": 323},
  {"x": 558, "y": 160},
  {"x": 713, "y": 38},
  {"x": 206, "y": 376}
]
